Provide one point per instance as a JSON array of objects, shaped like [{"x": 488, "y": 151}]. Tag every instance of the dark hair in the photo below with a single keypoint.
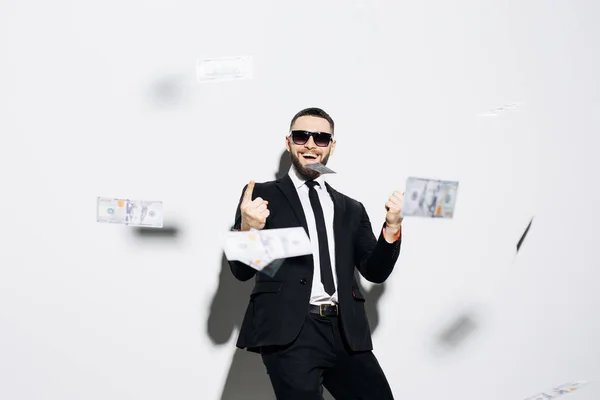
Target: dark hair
[{"x": 313, "y": 112}]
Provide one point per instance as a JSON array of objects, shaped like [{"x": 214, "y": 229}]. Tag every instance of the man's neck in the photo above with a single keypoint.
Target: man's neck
[{"x": 299, "y": 179}]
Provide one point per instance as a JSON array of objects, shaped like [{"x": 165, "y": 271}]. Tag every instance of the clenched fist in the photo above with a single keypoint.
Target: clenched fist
[
  {"x": 254, "y": 212},
  {"x": 393, "y": 217}
]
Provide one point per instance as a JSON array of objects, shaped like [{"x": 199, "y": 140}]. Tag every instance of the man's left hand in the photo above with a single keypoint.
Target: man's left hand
[{"x": 393, "y": 206}]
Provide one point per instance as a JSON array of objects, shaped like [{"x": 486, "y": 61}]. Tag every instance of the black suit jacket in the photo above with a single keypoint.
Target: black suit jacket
[{"x": 278, "y": 306}]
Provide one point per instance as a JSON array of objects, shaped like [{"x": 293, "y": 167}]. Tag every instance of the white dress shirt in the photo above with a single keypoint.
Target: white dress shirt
[{"x": 318, "y": 294}]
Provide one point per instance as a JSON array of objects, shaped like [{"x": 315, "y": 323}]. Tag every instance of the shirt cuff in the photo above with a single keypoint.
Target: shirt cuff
[{"x": 397, "y": 235}]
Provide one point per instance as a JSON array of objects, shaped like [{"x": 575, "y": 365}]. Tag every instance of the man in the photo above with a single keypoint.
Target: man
[{"x": 308, "y": 322}]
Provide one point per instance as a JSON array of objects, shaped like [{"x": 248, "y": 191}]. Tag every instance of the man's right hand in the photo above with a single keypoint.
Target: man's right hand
[{"x": 254, "y": 212}]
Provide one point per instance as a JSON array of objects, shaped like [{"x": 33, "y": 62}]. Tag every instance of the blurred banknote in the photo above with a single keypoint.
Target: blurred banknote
[
  {"x": 130, "y": 212},
  {"x": 497, "y": 111},
  {"x": 264, "y": 250},
  {"x": 320, "y": 168},
  {"x": 429, "y": 198},
  {"x": 224, "y": 69},
  {"x": 266, "y": 265},
  {"x": 244, "y": 246},
  {"x": 558, "y": 391}
]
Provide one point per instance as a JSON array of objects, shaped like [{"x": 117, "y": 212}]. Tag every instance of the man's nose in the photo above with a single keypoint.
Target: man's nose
[{"x": 310, "y": 144}]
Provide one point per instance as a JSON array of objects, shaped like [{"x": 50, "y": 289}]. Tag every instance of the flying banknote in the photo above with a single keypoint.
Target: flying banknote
[
  {"x": 264, "y": 250},
  {"x": 559, "y": 391},
  {"x": 130, "y": 212},
  {"x": 429, "y": 198}
]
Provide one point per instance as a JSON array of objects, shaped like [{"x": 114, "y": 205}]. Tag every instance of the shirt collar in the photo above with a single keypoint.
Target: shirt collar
[{"x": 299, "y": 181}]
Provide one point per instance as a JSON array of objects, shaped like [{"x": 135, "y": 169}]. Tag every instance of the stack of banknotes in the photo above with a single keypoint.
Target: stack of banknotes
[
  {"x": 429, "y": 198},
  {"x": 265, "y": 250},
  {"x": 130, "y": 212},
  {"x": 558, "y": 391}
]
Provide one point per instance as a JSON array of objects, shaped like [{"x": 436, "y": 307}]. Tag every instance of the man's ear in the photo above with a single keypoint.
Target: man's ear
[
  {"x": 287, "y": 144},
  {"x": 333, "y": 143}
]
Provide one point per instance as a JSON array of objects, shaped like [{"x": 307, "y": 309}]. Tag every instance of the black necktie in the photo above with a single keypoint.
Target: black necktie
[{"x": 324, "y": 259}]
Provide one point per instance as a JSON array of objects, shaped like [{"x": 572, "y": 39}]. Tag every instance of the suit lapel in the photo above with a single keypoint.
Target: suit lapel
[
  {"x": 339, "y": 210},
  {"x": 338, "y": 206},
  {"x": 286, "y": 185}
]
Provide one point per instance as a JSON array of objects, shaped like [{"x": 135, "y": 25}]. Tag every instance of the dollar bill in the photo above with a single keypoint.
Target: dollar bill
[
  {"x": 130, "y": 212},
  {"x": 245, "y": 246},
  {"x": 571, "y": 386},
  {"x": 286, "y": 242},
  {"x": 266, "y": 265},
  {"x": 497, "y": 111},
  {"x": 429, "y": 198},
  {"x": 559, "y": 390},
  {"x": 224, "y": 69},
  {"x": 320, "y": 168},
  {"x": 265, "y": 250}
]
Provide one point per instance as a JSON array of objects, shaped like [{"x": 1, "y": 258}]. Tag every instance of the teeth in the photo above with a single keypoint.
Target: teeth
[{"x": 310, "y": 156}]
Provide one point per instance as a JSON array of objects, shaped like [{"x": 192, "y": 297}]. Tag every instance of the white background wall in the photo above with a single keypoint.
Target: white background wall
[{"x": 89, "y": 312}]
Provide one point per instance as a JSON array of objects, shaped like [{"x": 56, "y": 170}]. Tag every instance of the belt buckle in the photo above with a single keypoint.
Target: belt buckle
[
  {"x": 321, "y": 307},
  {"x": 321, "y": 310}
]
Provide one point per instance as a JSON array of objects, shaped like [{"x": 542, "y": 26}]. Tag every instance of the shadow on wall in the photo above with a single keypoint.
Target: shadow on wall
[{"x": 247, "y": 377}]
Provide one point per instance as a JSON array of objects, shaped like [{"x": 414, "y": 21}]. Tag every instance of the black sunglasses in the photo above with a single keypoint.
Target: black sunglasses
[{"x": 321, "y": 139}]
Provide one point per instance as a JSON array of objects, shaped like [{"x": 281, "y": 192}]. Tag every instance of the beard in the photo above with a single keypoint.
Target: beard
[{"x": 304, "y": 172}]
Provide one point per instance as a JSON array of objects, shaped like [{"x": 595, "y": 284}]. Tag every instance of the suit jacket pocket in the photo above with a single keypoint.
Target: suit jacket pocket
[
  {"x": 266, "y": 287},
  {"x": 357, "y": 295}
]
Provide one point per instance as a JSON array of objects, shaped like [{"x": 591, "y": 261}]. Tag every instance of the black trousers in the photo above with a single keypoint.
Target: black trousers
[{"x": 320, "y": 357}]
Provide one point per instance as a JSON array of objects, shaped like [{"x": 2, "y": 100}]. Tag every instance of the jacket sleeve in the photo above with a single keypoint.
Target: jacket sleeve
[
  {"x": 240, "y": 270},
  {"x": 375, "y": 258}
]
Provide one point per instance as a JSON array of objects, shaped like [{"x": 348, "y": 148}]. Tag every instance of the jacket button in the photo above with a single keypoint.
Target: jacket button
[{"x": 303, "y": 281}]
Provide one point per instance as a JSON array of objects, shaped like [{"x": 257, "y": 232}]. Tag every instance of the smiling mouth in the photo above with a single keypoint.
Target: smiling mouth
[{"x": 310, "y": 157}]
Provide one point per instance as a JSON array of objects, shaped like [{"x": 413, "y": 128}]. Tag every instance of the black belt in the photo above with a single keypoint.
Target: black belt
[{"x": 324, "y": 310}]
